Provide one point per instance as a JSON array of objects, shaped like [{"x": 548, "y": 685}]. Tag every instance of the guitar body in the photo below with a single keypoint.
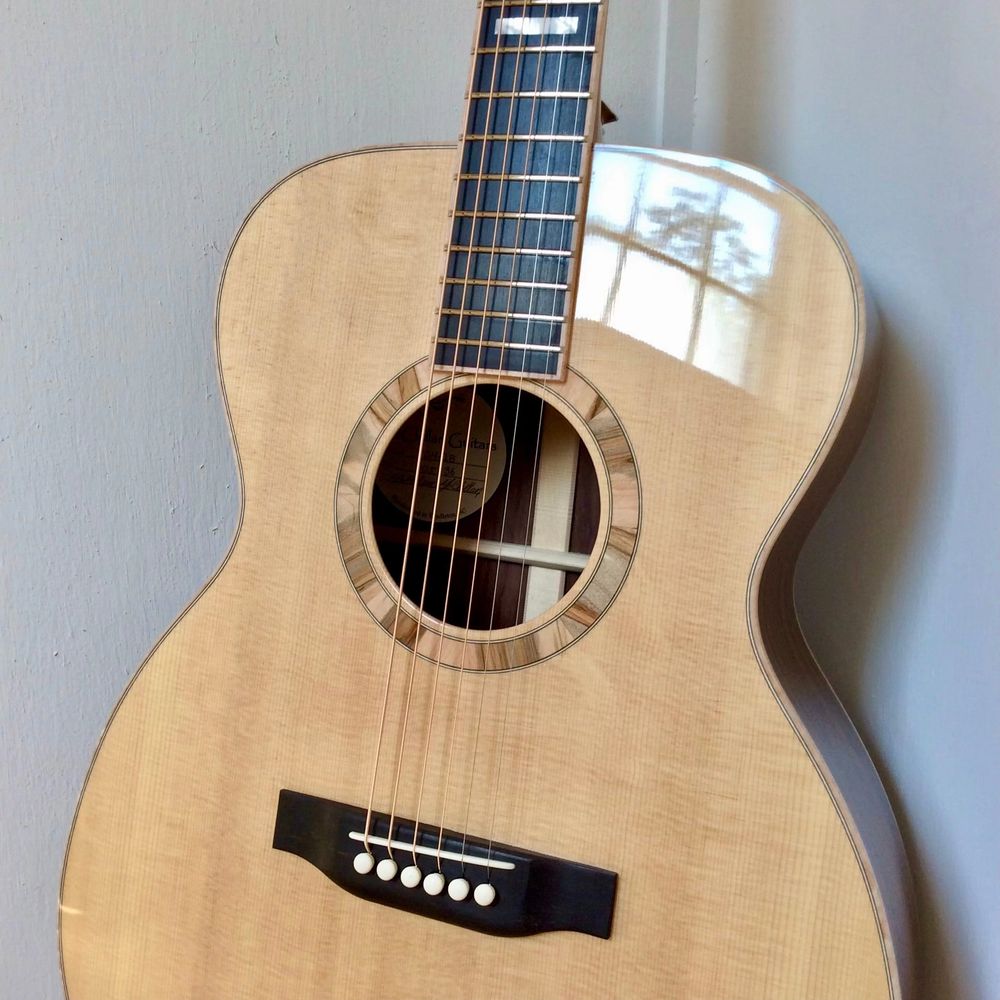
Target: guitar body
[{"x": 683, "y": 739}]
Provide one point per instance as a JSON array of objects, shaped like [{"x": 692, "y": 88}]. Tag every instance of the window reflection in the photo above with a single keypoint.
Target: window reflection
[{"x": 678, "y": 259}]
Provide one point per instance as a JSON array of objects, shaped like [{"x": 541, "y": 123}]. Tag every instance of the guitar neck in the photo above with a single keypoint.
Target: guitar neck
[{"x": 523, "y": 177}]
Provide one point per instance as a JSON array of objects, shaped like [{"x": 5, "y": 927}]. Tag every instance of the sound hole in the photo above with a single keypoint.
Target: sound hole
[{"x": 526, "y": 509}]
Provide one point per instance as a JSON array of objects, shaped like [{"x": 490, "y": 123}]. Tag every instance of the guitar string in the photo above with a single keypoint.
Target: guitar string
[
  {"x": 468, "y": 435},
  {"x": 520, "y": 390},
  {"x": 501, "y": 195},
  {"x": 580, "y": 207},
  {"x": 412, "y": 512}
]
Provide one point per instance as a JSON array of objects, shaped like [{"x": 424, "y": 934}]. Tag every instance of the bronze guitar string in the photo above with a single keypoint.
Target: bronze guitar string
[
  {"x": 454, "y": 540},
  {"x": 405, "y": 560},
  {"x": 585, "y": 104},
  {"x": 423, "y": 591}
]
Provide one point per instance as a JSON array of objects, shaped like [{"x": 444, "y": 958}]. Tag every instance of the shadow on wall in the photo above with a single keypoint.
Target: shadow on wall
[{"x": 852, "y": 568}]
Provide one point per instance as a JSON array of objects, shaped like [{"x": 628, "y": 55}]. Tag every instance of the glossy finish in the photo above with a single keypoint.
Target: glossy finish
[{"x": 686, "y": 742}]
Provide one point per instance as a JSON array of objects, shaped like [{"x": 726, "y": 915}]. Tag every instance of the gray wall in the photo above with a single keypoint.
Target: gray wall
[{"x": 135, "y": 137}]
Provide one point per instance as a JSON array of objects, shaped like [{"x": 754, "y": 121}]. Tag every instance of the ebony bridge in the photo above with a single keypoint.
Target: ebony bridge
[{"x": 517, "y": 892}]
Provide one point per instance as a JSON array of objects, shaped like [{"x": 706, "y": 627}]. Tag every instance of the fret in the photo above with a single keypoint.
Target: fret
[
  {"x": 531, "y": 362},
  {"x": 556, "y": 178},
  {"x": 514, "y": 232},
  {"x": 505, "y": 298},
  {"x": 547, "y": 285},
  {"x": 504, "y": 265},
  {"x": 500, "y": 343},
  {"x": 515, "y": 251},
  {"x": 504, "y": 49},
  {"x": 562, "y": 178},
  {"x": 534, "y": 216},
  {"x": 541, "y": 138},
  {"x": 529, "y": 71},
  {"x": 557, "y": 95},
  {"x": 534, "y": 334},
  {"x": 491, "y": 314},
  {"x": 544, "y": 197},
  {"x": 541, "y": 3},
  {"x": 522, "y": 156},
  {"x": 518, "y": 199},
  {"x": 527, "y": 118}
]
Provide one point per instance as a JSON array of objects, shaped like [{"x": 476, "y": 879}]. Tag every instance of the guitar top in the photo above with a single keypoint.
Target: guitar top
[{"x": 500, "y": 692}]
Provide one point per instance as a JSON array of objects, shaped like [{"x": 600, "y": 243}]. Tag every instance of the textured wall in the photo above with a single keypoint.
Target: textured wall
[
  {"x": 889, "y": 116},
  {"x": 135, "y": 136}
]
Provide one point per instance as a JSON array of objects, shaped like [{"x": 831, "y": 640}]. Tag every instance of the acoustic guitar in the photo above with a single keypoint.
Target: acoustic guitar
[{"x": 499, "y": 691}]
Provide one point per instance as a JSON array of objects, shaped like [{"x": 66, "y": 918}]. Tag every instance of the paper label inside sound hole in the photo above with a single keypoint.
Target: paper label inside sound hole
[{"x": 441, "y": 465}]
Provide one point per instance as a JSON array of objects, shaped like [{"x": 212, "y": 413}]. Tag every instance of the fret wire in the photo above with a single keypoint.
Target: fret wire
[
  {"x": 521, "y": 136},
  {"x": 500, "y": 283},
  {"x": 500, "y": 314},
  {"x": 560, "y": 178},
  {"x": 515, "y": 344},
  {"x": 504, "y": 49},
  {"x": 543, "y": 216},
  {"x": 558, "y": 95},
  {"x": 543, "y": 3},
  {"x": 530, "y": 251}
]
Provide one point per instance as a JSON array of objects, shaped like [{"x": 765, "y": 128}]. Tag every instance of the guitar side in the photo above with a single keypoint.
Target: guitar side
[{"x": 688, "y": 740}]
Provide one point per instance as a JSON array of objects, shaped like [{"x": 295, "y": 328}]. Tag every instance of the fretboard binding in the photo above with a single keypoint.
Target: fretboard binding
[
  {"x": 504, "y": 49},
  {"x": 520, "y": 251},
  {"x": 521, "y": 136},
  {"x": 556, "y": 178},
  {"x": 502, "y": 344},
  {"x": 547, "y": 285},
  {"x": 573, "y": 95},
  {"x": 493, "y": 314},
  {"x": 515, "y": 215}
]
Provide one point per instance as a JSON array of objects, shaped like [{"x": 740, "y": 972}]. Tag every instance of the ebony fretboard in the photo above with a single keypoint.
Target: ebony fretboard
[{"x": 509, "y": 285}]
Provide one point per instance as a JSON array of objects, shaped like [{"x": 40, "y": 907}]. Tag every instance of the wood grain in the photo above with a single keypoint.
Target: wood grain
[{"x": 686, "y": 742}]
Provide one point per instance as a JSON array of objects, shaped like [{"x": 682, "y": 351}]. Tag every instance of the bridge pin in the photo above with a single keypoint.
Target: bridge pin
[
  {"x": 411, "y": 876},
  {"x": 363, "y": 863},
  {"x": 485, "y": 894},
  {"x": 458, "y": 889},
  {"x": 387, "y": 869},
  {"x": 433, "y": 884}
]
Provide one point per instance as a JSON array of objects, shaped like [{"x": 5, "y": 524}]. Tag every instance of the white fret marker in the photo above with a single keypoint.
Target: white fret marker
[{"x": 537, "y": 25}]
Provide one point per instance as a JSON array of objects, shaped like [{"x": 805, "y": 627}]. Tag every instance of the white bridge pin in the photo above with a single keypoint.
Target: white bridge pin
[
  {"x": 411, "y": 876},
  {"x": 485, "y": 894},
  {"x": 363, "y": 863},
  {"x": 458, "y": 889},
  {"x": 387, "y": 869},
  {"x": 433, "y": 884}
]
